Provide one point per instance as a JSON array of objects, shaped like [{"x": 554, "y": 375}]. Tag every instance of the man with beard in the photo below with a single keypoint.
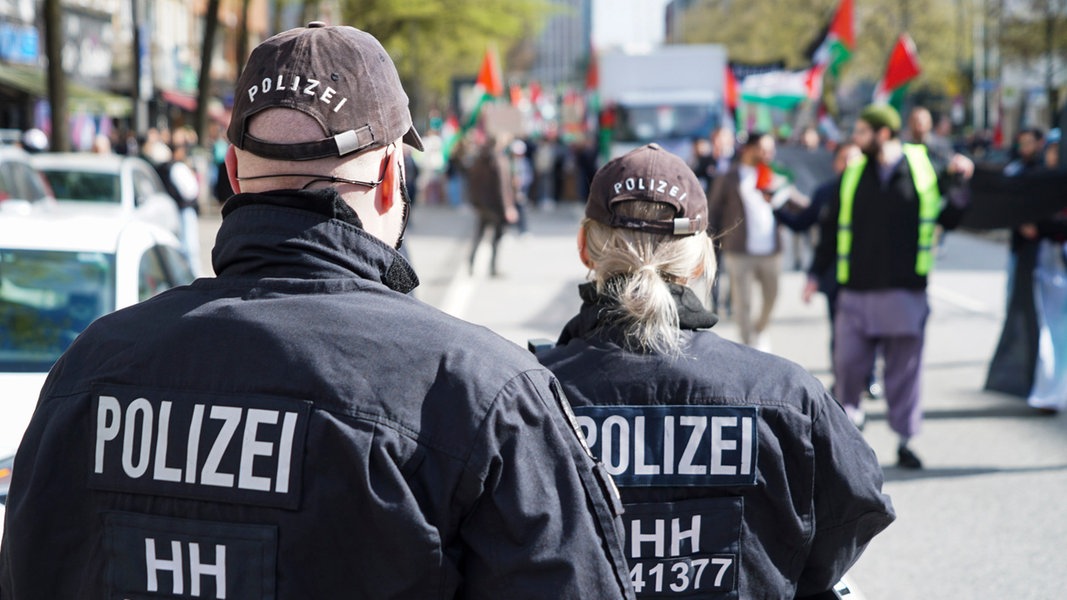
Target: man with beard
[{"x": 878, "y": 234}]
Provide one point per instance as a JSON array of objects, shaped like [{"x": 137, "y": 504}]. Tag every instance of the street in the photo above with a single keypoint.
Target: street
[{"x": 986, "y": 518}]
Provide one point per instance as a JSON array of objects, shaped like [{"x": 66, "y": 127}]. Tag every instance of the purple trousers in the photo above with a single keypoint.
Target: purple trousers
[{"x": 894, "y": 321}]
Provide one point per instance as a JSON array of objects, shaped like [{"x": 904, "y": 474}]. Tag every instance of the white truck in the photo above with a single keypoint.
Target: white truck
[{"x": 669, "y": 94}]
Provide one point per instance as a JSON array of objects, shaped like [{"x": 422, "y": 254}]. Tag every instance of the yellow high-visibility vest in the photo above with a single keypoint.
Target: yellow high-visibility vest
[{"x": 925, "y": 179}]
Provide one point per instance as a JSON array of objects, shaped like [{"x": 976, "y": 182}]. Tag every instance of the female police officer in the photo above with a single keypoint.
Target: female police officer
[{"x": 741, "y": 476}]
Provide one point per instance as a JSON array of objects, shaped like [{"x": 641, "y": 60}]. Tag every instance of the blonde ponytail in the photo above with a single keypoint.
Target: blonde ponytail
[{"x": 634, "y": 268}]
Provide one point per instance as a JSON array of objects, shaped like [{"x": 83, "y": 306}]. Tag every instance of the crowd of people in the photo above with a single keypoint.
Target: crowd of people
[{"x": 859, "y": 260}]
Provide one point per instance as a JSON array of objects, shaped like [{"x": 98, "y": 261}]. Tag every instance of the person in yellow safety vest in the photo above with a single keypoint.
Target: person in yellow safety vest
[{"x": 879, "y": 232}]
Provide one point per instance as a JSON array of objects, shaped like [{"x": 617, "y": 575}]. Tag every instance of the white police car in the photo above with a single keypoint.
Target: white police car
[
  {"x": 126, "y": 182},
  {"x": 60, "y": 269}
]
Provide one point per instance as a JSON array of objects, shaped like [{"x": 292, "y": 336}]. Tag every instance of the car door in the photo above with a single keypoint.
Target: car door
[{"x": 151, "y": 201}]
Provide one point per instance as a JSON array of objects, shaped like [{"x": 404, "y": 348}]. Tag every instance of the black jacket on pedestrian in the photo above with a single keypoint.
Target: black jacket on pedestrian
[
  {"x": 885, "y": 227},
  {"x": 741, "y": 476},
  {"x": 299, "y": 427}
]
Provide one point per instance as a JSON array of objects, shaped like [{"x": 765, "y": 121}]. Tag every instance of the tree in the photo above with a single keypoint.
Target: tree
[
  {"x": 433, "y": 41},
  {"x": 203, "y": 89},
  {"x": 1033, "y": 31},
  {"x": 771, "y": 30},
  {"x": 242, "y": 38},
  {"x": 57, "y": 81}
]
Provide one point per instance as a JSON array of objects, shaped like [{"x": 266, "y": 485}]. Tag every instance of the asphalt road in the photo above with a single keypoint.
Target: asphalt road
[{"x": 986, "y": 518}]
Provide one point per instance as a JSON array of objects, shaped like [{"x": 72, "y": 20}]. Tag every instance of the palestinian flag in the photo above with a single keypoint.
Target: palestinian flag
[
  {"x": 902, "y": 67},
  {"x": 450, "y": 134},
  {"x": 733, "y": 93},
  {"x": 834, "y": 46},
  {"x": 489, "y": 84},
  {"x": 782, "y": 89}
]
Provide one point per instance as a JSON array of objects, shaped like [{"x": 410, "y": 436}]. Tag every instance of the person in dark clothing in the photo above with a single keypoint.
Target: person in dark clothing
[
  {"x": 298, "y": 426},
  {"x": 740, "y": 475},
  {"x": 804, "y": 220},
  {"x": 1015, "y": 363},
  {"x": 491, "y": 193},
  {"x": 878, "y": 236}
]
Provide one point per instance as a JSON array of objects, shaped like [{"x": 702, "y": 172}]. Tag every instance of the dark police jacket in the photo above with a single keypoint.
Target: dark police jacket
[
  {"x": 741, "y": 476},
  {"x": 298, "y": 427}
]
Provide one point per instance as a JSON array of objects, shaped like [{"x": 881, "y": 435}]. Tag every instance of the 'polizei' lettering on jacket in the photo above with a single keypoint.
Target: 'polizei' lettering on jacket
[
  {"x": 296, "y": 84},
  {"x": 673, "y": 445},
  {"x": 227, "y": 448}
]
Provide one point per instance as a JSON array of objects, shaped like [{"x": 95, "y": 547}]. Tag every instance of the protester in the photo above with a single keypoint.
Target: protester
[
  {"x": 299, "y": 426},
  {"x": 722, "y": 454},
  {"x": 1049, "y": 393},
  {"x": 879, "y": 232},
  {"x": 804, "y": 220},
  {"x": 521, "y": 180},
  {"x": 807, "y": 217},
  {"x": 741, "y": 206},
  {"x": 921, "y": 131},
  {"x": 1014, "y": 362},
  {"x": 702, "y": 161},
  {"x": 722, "y": 154},
  {"x": 1030, "y": 360},
  {"x": 491, "y": 193},
  {"x": 182, "y": 185}
]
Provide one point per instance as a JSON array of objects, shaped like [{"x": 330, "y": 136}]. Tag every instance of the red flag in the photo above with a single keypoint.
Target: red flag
[
  {"x": 764, "y": 177},
  {"x": 516, "y": 94},
  {"x": 903, "y": 66},
  {"x": 813, "y": 81},
  {"x": 592, "y": 72},
  {"x": 842, "y": 25},
  {"x": 732, "y": 93},
  {"x": 489, "y": 75},
  {"x": 535, "y": 93}
]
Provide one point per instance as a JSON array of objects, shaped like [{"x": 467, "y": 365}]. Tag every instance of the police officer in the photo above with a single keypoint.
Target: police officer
[
  {"x": 299, "y": 426},
  {"x": 741, "y": 476}
]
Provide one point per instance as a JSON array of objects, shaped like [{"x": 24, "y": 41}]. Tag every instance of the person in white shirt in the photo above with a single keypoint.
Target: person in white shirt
[{"x": 741, "y": 207}]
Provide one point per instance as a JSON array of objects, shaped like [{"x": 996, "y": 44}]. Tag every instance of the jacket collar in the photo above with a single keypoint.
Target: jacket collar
[
  {"x": 304, "y": 234},
  {"x": 590, "y": 319}
]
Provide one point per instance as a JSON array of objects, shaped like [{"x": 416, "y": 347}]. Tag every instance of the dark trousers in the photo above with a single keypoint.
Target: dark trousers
[{"x": 479, "y": 231}]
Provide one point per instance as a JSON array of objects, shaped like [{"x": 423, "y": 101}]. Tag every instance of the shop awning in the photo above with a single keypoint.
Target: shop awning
[
  {"x": 188, "y": 102},
  {"x": 31, "y": 80}
]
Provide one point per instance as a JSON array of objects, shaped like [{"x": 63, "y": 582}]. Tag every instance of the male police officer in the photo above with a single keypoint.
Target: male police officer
[
  {"x": 741, "y": 475},
  {"x": 299, "y": 427}
]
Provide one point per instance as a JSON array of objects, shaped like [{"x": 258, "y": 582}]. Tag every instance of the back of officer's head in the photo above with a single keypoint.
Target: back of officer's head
[
  {"x": 645, "y": 227},
  {"x": 314, "y": 99}
]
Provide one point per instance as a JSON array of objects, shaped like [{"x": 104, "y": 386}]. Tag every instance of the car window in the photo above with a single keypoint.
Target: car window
[
  {"x": 181, "y": 272},
  {"x": 46, "y": 299},
  {"x": 85, "y": 186},
  {"x": 152, "y": 275},
  {"x": 145, "y": 184}
]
